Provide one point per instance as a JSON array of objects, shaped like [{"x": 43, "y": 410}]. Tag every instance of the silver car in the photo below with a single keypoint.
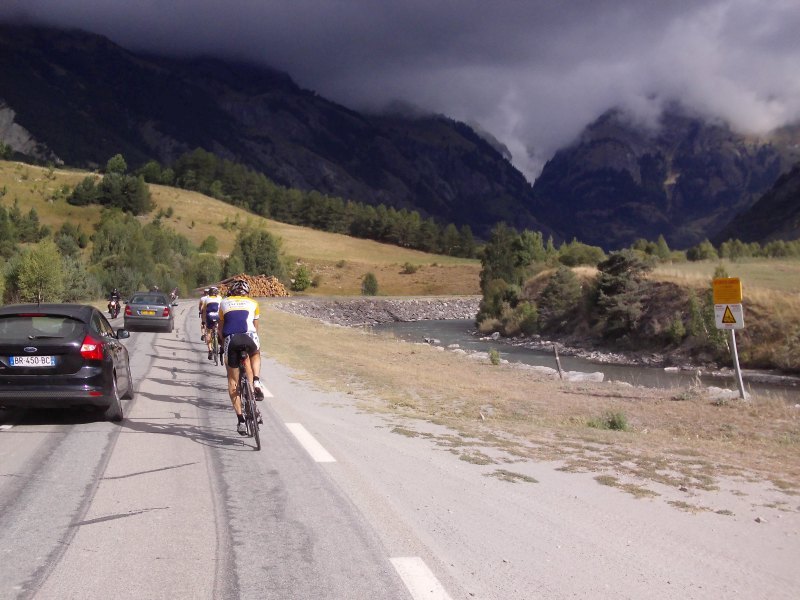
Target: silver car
[{"x": 148, "y": 310}]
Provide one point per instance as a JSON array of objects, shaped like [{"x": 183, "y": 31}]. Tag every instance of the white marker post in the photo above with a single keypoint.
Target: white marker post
[{"x": 728, "y": 314}]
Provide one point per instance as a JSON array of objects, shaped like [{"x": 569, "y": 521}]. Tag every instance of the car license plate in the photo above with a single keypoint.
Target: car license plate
[
  {"x": 32, "y": 361},
  {"x": 148, "y": 312}
]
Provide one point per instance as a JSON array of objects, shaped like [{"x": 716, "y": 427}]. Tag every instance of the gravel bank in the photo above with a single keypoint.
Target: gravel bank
[{"x": 356, "y": 312}]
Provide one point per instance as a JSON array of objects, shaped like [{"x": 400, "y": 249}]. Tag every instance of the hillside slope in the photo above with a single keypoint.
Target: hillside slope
[{"x": 340, "y": 261}]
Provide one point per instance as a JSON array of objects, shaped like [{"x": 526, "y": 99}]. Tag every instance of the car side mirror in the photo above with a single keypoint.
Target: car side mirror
[{"x": 123, "y": 333}]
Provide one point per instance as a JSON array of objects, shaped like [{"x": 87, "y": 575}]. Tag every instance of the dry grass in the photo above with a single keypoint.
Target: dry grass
[
  {"x": 782, "y": 276},
  {"x": 689, "y": 442}
]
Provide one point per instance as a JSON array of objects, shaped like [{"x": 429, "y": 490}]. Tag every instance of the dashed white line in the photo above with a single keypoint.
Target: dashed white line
[
  {"x": 312, "y": 446},
  {"x": 419, "y": 579},
  {"x": 5, "y": 427}
]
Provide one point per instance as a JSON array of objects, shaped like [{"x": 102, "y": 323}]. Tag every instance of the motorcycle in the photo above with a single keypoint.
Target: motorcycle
[
  {"x": 113, "y": 308},
  {"x": 173, "y": 298}
]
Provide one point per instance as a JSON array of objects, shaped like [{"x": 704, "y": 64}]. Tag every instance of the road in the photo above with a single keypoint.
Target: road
[{"x": 172, "y": 503}]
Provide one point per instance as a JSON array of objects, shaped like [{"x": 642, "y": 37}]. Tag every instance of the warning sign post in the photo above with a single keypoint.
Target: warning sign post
[{"x": 728, "y": 314}]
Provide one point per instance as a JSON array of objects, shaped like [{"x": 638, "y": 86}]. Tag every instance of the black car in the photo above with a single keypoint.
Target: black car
[
  {"x": 62, "y": 355},
  {"x": 149, "y": 310}
]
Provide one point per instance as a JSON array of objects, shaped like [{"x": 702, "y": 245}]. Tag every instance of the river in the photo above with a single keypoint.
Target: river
[{"x": 460, "y": 332}]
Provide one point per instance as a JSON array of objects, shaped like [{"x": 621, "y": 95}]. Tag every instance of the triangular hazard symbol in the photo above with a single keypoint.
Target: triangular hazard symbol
[{"x": 727, "y": 317}]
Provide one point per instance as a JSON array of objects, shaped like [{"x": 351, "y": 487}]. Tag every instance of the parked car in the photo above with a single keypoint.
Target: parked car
[
  {"x": 148, "y": 310},
  {"x": 62, "y": 355}
]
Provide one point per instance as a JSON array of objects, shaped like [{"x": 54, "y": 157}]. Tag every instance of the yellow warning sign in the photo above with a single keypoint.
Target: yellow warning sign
[
  {"x": 727, "y": 316},
  {"x": 727, "y": 290}
]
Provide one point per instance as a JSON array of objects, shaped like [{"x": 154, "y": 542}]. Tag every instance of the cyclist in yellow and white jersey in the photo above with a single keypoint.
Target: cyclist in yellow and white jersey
[
  {"x": 238, "y": 314},
  {"x": 200, "y": 308},
  {"x": 210, "y": 315}
]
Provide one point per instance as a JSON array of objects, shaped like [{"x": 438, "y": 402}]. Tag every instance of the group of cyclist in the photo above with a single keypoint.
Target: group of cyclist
[{"x": 233, "y": 320}]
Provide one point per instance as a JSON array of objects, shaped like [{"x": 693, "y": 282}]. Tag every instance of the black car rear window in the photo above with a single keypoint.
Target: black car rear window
[{"x": 17, "y": 328}]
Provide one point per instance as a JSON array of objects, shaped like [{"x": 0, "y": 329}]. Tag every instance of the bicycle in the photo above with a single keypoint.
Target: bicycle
[
  {"x": 248, "y": 399},
  {"x": 216, "y": 349}
]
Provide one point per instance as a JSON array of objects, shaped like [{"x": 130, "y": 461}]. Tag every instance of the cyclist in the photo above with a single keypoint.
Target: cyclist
[
  {"x": 200, "y": 314},
  {"x": 238, "y": 314},
  {"x": 210, "y": 316}
]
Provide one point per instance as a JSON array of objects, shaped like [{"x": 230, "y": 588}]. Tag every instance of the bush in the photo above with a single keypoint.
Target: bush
[
  {"x": 676, "y": 330},
  {"x": 302, "y": 279},
  {"x": 494, "y": 356},
  {"x": 616, "y": 421},
  {"x": 524, "y": 319},
  {"x": 369, "y": 285},
  {"x": 560, "y": 298},
  {"x": 409, "y": 269}
]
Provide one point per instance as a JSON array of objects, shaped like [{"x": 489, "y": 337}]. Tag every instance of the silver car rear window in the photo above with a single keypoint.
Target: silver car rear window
[
  {"x": 149, "y": 300},
  {"x": 24, "y": 328}
]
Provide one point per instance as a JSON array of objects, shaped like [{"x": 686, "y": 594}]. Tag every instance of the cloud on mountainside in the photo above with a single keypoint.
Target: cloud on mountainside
[{"x": 531, "y": 72}]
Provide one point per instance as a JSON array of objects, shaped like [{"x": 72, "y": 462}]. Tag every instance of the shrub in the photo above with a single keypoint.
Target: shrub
[
  {"x": 302, "y": 279},
  {"x": 524, "y": 318},
  {"x": 494, "y": 356},
  {"x": 409, "y": 269},
  {"x": 676, "y": 330},
  {"x": 616, "y": 421},
  {"x": 560, "y": 298},
  {"x": 369, "y": 285}
]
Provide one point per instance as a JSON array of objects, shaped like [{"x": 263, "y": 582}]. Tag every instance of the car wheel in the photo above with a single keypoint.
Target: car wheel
[
  {"x": 114, "y": 411},
  {"x": 128, "y": 395}
]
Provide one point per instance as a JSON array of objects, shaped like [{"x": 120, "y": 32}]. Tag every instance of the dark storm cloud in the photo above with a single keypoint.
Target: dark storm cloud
[{"x": 531, "y": 72}]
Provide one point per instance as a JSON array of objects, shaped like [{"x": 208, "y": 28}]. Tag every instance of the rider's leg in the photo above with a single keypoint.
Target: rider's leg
[{"x": 233, "y": 392}]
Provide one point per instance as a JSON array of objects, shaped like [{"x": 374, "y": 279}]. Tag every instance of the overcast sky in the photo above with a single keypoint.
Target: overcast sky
[{"x": 531, "y": 72}]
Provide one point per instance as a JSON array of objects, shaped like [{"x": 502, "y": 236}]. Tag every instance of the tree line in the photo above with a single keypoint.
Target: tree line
[{"x": 235, "y": 184}]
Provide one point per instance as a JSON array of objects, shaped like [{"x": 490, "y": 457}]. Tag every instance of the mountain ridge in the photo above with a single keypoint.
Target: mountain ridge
[
  {"x": 146, "y": 107},
  {"x": 80, "y": 98},
  {"x": 684, "y": 179}
]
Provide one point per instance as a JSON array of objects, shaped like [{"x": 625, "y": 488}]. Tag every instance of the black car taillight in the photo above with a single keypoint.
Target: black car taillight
[
  {"x": 91, "y": 348},
  {"x": 128, "y": 311}
]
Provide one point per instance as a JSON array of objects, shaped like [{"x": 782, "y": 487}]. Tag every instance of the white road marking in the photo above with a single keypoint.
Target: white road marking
[
  {"x": 312, "y": 446},
  {"x": 5, "y": 427},
  {"x": 419, "y": 579}
]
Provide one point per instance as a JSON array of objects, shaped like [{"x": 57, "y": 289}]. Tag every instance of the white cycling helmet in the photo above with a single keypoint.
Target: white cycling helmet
[{"x": 239, "y": 288}]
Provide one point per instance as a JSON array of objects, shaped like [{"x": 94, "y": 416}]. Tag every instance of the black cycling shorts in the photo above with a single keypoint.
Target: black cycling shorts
[{"x": 236, "y": 342}]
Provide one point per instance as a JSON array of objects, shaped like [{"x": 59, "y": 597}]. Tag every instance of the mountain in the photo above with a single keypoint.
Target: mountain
[
  {"x": 685, "y": 178},
  {"x": 776, "y": 216},
  {"x": 78, "y": 98}
]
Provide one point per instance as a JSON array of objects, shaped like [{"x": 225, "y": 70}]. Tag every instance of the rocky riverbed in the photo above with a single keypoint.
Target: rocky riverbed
[{"x": 368, "y": 311}]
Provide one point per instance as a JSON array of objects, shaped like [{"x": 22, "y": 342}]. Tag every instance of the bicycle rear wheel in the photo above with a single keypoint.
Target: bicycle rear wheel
[
  {"x": 215, "y": 347},
  {"x": 249, "y": 411}
]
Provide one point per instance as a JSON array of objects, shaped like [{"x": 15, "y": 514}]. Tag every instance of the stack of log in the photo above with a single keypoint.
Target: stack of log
[{"x": 260, "y": 285}]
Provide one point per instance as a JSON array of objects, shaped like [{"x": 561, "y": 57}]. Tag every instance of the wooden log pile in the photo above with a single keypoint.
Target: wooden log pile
[{"x": 260, "y": 285}]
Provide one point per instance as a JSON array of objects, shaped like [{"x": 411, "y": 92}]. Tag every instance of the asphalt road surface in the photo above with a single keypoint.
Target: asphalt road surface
[{"x": 173, "y": 503}]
